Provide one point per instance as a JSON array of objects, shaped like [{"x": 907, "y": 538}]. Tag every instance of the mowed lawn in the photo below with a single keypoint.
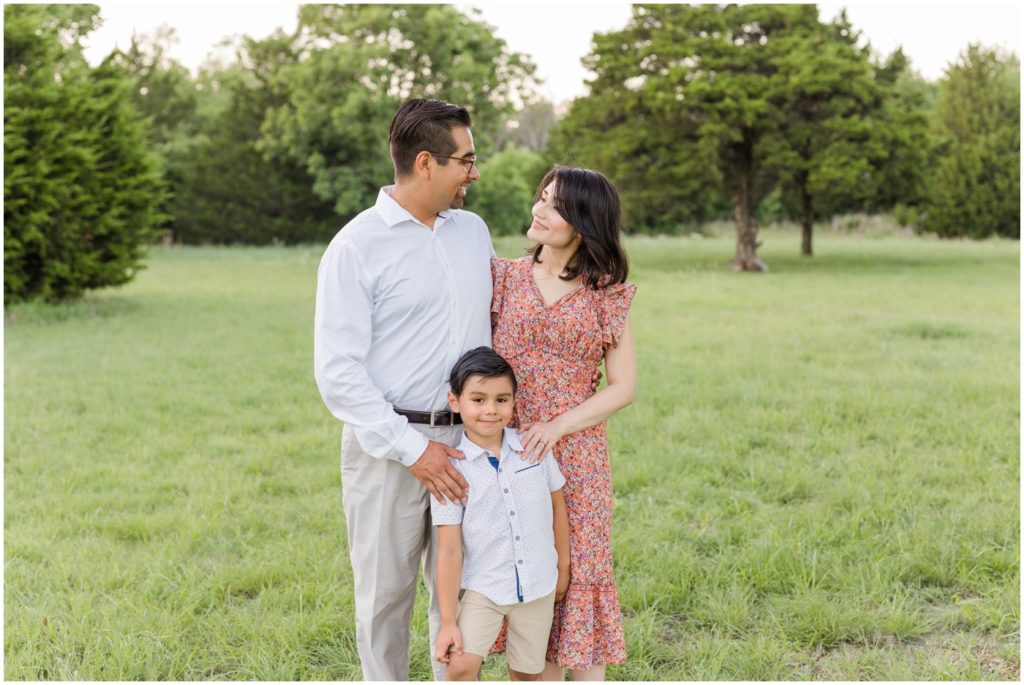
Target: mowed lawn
[{"x": 819, "y": 478}]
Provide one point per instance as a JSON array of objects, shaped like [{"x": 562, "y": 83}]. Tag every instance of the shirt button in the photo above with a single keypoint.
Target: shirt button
[
  {"x": 517, "y": 537},
  {"x": 511, "y": 513},
  {"x": 520, "y": 561},
  {"x": 505, "y": 490}
]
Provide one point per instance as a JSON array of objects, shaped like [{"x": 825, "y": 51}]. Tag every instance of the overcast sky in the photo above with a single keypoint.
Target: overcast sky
[{"x": 557, "y": 34}]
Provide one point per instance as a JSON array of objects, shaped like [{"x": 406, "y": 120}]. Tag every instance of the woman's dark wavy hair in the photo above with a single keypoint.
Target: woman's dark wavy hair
[{"x": 590, "y": 203}]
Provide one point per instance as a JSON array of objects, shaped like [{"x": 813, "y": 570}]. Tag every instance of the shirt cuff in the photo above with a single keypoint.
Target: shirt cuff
[{"x": 410, "y": 447}]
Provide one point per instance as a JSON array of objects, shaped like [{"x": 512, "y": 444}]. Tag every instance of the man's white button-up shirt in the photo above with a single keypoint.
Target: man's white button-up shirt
[
  {"x": 397, "y": 304},
  {"x": 508, "y": 538}
]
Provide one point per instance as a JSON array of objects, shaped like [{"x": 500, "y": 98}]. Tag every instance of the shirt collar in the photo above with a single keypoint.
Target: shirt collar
[
  {"x": 510, "y": 441},
  {"x": 393, "y": 213}
]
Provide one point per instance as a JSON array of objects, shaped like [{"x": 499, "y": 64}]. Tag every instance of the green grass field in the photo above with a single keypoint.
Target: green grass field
[{"x": 819, "y": 478}]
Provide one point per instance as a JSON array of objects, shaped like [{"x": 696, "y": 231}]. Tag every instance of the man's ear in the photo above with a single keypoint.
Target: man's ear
[
  {"x": 421, "y": 166},
  {"x": 453, "y": 401}
]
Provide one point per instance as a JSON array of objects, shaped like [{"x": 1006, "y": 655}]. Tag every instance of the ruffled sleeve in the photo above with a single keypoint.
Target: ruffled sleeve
[
  {"x": 615, "y": 301},
  {"x": 500, "y": 269}
]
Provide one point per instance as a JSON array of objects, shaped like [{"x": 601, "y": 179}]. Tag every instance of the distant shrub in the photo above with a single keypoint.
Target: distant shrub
[
  {"x": 504, "y": 198},
  {"x": 976, "y": 183},
  {"x": 906, "y": 215}
]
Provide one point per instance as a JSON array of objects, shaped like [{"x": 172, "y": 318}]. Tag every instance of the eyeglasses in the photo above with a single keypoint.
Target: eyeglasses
[{"x": 463, "y": 160}]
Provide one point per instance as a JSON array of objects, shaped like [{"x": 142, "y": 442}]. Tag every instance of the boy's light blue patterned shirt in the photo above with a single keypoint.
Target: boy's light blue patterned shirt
[{"x": 507, "y": 533}]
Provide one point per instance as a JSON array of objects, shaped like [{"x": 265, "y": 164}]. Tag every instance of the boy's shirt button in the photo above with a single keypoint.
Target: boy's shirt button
[
  {"x": 511, "y": 513},
  {"x": 505, "y": 490}
]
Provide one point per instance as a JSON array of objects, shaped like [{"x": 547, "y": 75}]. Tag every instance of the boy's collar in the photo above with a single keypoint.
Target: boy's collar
[{"x": 472, "y": 450}]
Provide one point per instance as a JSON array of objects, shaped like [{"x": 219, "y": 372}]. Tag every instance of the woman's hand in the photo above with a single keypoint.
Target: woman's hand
[{"x": 538, "y": 439}]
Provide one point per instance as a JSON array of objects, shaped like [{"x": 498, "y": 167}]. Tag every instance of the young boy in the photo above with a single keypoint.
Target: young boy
[{"x": 507, "y": 548}]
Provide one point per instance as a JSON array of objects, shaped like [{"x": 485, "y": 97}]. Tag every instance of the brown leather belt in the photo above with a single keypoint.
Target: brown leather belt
[{"x": 431, "y": 418}]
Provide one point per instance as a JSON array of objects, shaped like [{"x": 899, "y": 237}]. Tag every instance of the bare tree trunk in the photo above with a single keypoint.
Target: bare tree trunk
[
  {"x": 746, "y": 225},
  {"x": 807, "y": 219}
]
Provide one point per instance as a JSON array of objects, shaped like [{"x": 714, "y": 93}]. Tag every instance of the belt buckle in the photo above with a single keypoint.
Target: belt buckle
[{"x": 433, "y": 414}]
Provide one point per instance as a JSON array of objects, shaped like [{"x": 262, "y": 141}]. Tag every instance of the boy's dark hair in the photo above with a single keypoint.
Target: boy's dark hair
[
  {"x": 483, "y": 361},
  {"x": 590, "y": 204},
  {"x": 422, "y": 124}
]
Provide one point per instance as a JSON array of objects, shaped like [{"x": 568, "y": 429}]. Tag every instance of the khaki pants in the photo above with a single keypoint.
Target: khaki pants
[{"x": 387, "y": 511}]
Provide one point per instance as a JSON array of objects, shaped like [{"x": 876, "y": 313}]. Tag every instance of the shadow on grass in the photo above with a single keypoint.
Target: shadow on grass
[
  {"x": 881, "y": 262},
  {"x": 88, "y": 307},
  {"x": 924, "y": 330},
  {"x": 873, "y": 258}
]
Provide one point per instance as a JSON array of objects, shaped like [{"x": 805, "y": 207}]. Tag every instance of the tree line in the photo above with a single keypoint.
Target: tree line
[{"x": 758, "y": 112}]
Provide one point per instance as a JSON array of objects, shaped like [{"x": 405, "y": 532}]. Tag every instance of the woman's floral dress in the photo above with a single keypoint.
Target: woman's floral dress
[{"x": 554, "y": 352}]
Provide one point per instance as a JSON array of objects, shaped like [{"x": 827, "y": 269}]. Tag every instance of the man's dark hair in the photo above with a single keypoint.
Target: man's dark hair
[
  {"x": 483, "y": 361},
  {"x": 590, "y": 204},
  {"x": 422, "y": 124}
]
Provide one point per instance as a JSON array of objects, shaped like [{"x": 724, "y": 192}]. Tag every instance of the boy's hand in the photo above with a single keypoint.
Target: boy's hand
[
  {"x": 562, "y": 586},
  {"x": 448, "y": 637}
]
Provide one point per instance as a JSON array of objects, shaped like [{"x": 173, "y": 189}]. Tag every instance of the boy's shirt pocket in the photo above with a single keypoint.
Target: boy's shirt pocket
[{"x": 531, "y": 487}]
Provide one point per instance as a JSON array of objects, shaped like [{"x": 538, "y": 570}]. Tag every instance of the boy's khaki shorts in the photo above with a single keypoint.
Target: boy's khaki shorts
[{"x": 529, "y": 625}]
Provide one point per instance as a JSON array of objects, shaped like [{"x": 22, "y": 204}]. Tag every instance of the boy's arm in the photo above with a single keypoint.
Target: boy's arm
[
  {"x": 561, "y": 524},
  {"x": 449, "y": 578}
]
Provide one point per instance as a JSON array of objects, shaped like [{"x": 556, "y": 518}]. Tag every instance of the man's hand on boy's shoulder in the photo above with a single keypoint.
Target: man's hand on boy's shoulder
[
  {"x": 448, "y": 637},
  {"x": 438, "y": 475}
]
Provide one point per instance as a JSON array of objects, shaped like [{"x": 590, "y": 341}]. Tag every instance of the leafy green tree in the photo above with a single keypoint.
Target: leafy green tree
[
  {"x": 80, "y": 190},
  {"x": 641, "y": 149},
  {"x": 902, "y": 127},
  {"x": 164, "y": 91},
  {"x": 504, "y": 195},
  {"x": 845, "y": 139},
  {"x": 684, "y": 100},
  {"x": 230, "y": 192},
  {"x": 342, "y": 97},
  {"x": 163, "y": 88},
  {"x": 976, "y": 189}
]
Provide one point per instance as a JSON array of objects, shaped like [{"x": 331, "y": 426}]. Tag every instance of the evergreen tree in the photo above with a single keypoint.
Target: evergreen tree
[
  {"x": 642, "y": 149},
  {"x": 847, "y": 141},
  {"x": 685, "y": 99},
  {"x": 902, "y": 128},
  {"x": 976, "y": 188},
  {"x": 80, "y": 192}
]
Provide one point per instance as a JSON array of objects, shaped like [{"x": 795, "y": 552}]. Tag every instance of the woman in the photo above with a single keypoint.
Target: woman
[{"x": 556, "y": 314}]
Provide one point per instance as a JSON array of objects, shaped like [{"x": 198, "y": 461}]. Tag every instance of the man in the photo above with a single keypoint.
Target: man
[{"x": 403, "y": 290}]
